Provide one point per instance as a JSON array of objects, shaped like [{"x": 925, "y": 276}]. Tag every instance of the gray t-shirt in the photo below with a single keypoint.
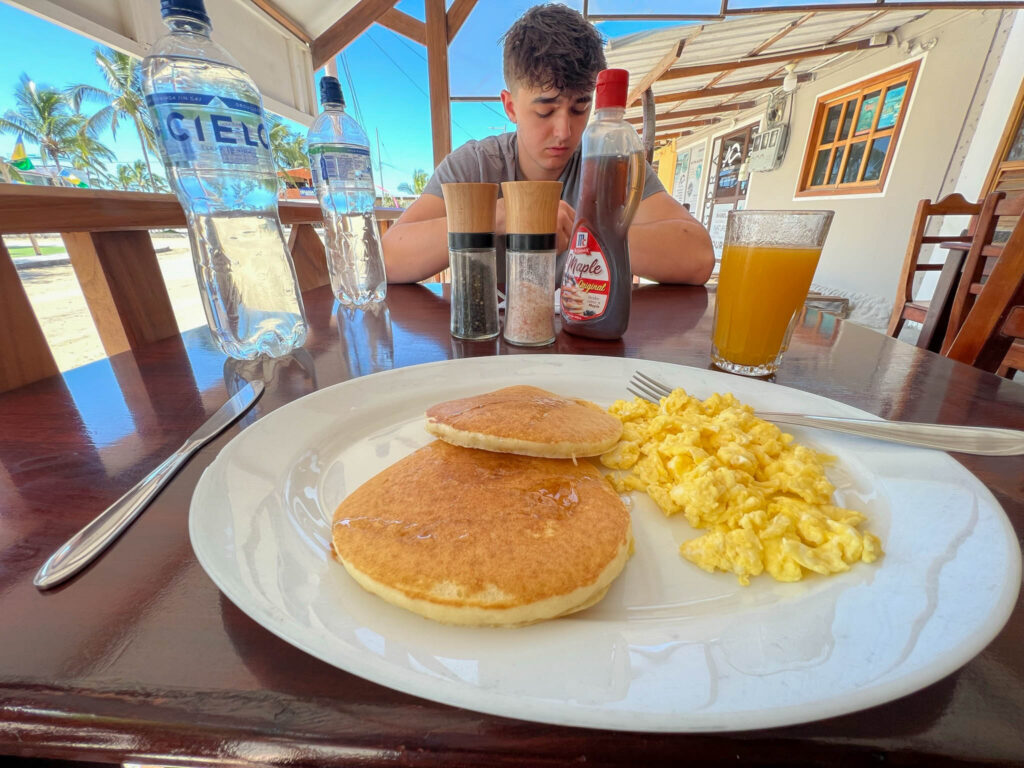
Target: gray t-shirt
[{"x": 496, "y": 159}]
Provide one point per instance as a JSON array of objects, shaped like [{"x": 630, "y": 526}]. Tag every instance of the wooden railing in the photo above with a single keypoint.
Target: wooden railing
[{"x": 106, "y": 234}]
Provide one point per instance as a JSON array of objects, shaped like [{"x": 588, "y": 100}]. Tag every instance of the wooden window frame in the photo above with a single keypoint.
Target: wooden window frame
[
  {"x": 1000, "y": 165},
  {"x": 855, "y": 92}
]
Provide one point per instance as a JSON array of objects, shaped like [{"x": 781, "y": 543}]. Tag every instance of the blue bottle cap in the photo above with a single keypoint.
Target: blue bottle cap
[
  {"x": 193, "y": 9},
  {"x": 330, "y": 91}
]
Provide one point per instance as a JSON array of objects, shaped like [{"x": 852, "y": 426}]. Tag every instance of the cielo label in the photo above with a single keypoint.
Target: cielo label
[{"x": 200, "y": 129}]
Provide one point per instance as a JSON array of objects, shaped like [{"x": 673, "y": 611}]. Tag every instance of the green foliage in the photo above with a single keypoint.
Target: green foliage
[
  {"x": 53, "y": 119},
  {"x": 419, "y": 182}
]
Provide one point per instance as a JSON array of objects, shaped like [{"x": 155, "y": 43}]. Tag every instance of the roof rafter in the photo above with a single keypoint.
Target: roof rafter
[
  {"x": 697, "y": 111},
  {"x": 283, "y": 19},
  {"x": 347, "y": 28},
  {"x": 404, "y": 24},
  {"x": 457, "y": 16},
  {"x": 850, "y": 30},
  {"x": 775, "y": 58},
  {"x": 704, "y": 93},
  {"x": 671, "y": 57},
  {"x": 782, "y": 33}
]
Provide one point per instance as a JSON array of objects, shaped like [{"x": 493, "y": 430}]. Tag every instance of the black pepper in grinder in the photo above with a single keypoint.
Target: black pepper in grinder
[{"x": 472, "y": 258}]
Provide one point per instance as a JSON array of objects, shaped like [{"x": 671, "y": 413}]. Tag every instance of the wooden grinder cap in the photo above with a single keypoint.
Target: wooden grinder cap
[
  {"x": 470, "y": 206},
  {"x": 531, "y": 207}
]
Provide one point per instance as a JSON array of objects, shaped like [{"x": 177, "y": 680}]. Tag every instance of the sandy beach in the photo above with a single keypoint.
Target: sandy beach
[{"x": 58, "y": 302}]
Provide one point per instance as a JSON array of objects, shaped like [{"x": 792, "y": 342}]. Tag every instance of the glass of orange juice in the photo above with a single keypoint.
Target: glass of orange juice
[{"x": 768, "y": 261}]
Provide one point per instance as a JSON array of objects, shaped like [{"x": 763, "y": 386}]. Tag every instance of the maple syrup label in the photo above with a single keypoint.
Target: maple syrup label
[{"x": 586, "y": 281}]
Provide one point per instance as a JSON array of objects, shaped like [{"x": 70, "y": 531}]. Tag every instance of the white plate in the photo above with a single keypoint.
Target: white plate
[{"x": 670, "y": 648}]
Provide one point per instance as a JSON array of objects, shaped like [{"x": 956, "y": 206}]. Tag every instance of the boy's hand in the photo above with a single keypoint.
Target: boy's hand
[{"x": 563, "y": 228}]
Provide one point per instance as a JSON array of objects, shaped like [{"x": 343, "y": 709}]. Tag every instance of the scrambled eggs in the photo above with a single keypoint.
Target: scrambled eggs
[{"x": 764, "y": 499}]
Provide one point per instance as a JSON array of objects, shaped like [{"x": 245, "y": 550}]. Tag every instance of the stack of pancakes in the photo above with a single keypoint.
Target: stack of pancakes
[{"x": 496, "y": 523}]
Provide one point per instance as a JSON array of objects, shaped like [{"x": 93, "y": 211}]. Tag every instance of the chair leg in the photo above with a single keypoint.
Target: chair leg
[{"x": 896, "y": 322}]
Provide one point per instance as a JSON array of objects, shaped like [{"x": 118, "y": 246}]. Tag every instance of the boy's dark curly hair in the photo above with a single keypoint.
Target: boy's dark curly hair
[{"x": 553, "y": 46}]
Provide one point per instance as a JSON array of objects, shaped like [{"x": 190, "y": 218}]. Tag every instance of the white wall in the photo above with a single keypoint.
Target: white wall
[
  {"x": 1002, "y": 91},
  {"x": 865, "y": 248}
]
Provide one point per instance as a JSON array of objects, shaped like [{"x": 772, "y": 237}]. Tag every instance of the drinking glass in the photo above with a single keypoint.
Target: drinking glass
[{"x": 768, "y": 261}]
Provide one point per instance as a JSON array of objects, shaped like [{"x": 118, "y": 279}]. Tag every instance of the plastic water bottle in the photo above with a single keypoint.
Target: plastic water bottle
[
  {"x": 339, "y": 159},
  {"x": 208, "y": 115}
]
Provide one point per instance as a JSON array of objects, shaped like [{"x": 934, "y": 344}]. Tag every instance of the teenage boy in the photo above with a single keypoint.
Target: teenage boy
[{"x": 551, "y": 60}]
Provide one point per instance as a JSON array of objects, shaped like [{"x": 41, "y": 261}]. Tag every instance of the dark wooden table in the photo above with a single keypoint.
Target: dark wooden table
[{"x": 142, "y": 658}]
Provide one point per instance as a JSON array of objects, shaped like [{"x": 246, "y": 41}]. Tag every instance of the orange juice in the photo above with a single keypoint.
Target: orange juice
[{"x": 759, "y": 290}]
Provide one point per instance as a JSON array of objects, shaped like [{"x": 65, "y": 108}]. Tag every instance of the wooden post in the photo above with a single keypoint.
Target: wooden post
[
  {"x": 437, "y": 69},
  {"x": 24, "y": 352},
  {"x": 121, "y": 280},
  {"x": 309, "y": 257}
]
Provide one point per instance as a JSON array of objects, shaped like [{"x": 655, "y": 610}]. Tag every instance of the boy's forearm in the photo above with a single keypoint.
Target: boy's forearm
[
  {"x": 416, "y": 250},
  {"x": 671, "y": 251}
]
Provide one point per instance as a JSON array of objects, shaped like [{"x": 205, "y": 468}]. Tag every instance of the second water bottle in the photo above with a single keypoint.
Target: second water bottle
[{"x": 339, "y": 158}]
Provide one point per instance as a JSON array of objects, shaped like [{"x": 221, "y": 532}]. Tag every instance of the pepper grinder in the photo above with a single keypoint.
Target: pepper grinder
[
  {"x": 471, "y": 255},
  {"x": 531, "y": 216}
]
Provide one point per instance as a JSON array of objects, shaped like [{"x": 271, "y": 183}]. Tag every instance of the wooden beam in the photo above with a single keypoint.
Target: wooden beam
[
  {"x": 758, "y": 61},
  {"x": 437, "y": 76},
  {"x": 283, "y": 19},
  {"x": 671, "y": 57},
  {"x": 662, "y": 127},
  {"x": 25, "y": 354},
  {"x": 782, "y": 33},
  {"x": 667, "y": 136},
  {"x": 706, "y": 93},
  {"x": 347, "y": 28},
  {"x": 850, "y": 30},
  {"x": 123, "y": 286},
  {"x": 309, "y": 257},
  {"x": 697, "y": 111},
  {"x": 457, "y": 16},
  {"x": 405, "y": 25},
  {"x": 28, "y": 209}
]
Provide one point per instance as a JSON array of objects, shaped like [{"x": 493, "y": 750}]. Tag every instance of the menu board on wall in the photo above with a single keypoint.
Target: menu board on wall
[
  {"x": 692, "y": 196},
  {"x": 719, "y": 216},
  {"x": 689, "y": 169},
  {"x": 679, "y": 182}
]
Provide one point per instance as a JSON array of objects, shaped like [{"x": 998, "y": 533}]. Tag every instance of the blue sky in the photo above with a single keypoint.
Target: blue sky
[{"x": 386, "y": 78}]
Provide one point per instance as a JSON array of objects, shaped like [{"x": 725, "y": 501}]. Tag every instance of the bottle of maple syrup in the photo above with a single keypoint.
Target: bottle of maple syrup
[{"x": 597, "y": 280}]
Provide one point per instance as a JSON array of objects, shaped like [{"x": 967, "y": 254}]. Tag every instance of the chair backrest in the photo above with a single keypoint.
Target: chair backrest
[
  {"x": 997, "y": 318},
  {"x": 951, "y": 205},
  {"x": 999, "y": 215}
]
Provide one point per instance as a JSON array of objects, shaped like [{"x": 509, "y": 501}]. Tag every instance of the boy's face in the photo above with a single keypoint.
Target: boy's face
[{"x": 549, "y": 124}]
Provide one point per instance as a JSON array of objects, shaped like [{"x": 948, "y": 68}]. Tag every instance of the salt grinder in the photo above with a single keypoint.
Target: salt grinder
[
  {"x": 531, "y": 216},
  {"x": 472, "y": 257}
]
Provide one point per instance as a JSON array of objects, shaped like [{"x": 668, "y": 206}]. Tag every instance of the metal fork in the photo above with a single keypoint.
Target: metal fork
[{"x": 984, "y": 441}]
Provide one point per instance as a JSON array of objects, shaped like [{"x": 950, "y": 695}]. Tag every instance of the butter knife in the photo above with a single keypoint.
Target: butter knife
[
  {"x": 86, "y": 545},
  {"x": 982, "y": 441}
]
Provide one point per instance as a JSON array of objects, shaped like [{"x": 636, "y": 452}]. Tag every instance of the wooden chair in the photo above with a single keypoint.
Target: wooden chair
[
  {"x": 999, "y": 212},
  {"x": 906, "y": 307},
  {"x": 996, "y": 319}
]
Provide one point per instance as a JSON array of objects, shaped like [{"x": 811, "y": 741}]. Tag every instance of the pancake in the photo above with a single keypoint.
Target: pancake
[
  {"x": 485, "y": 539},
  {"x": 525, "y": 420}
]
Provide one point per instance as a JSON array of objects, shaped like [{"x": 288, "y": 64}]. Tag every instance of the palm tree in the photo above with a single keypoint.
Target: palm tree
[
  {"x": 125, "y": 178},
  {"x": 89, "y": 154},
  {"x": 42, "y": 116},
  {"x": 123, "y": 99},
  {"x": 9, "y": 173},
  {"x": 419, "y": 182},
  {"x": 287, "y": 147}
]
